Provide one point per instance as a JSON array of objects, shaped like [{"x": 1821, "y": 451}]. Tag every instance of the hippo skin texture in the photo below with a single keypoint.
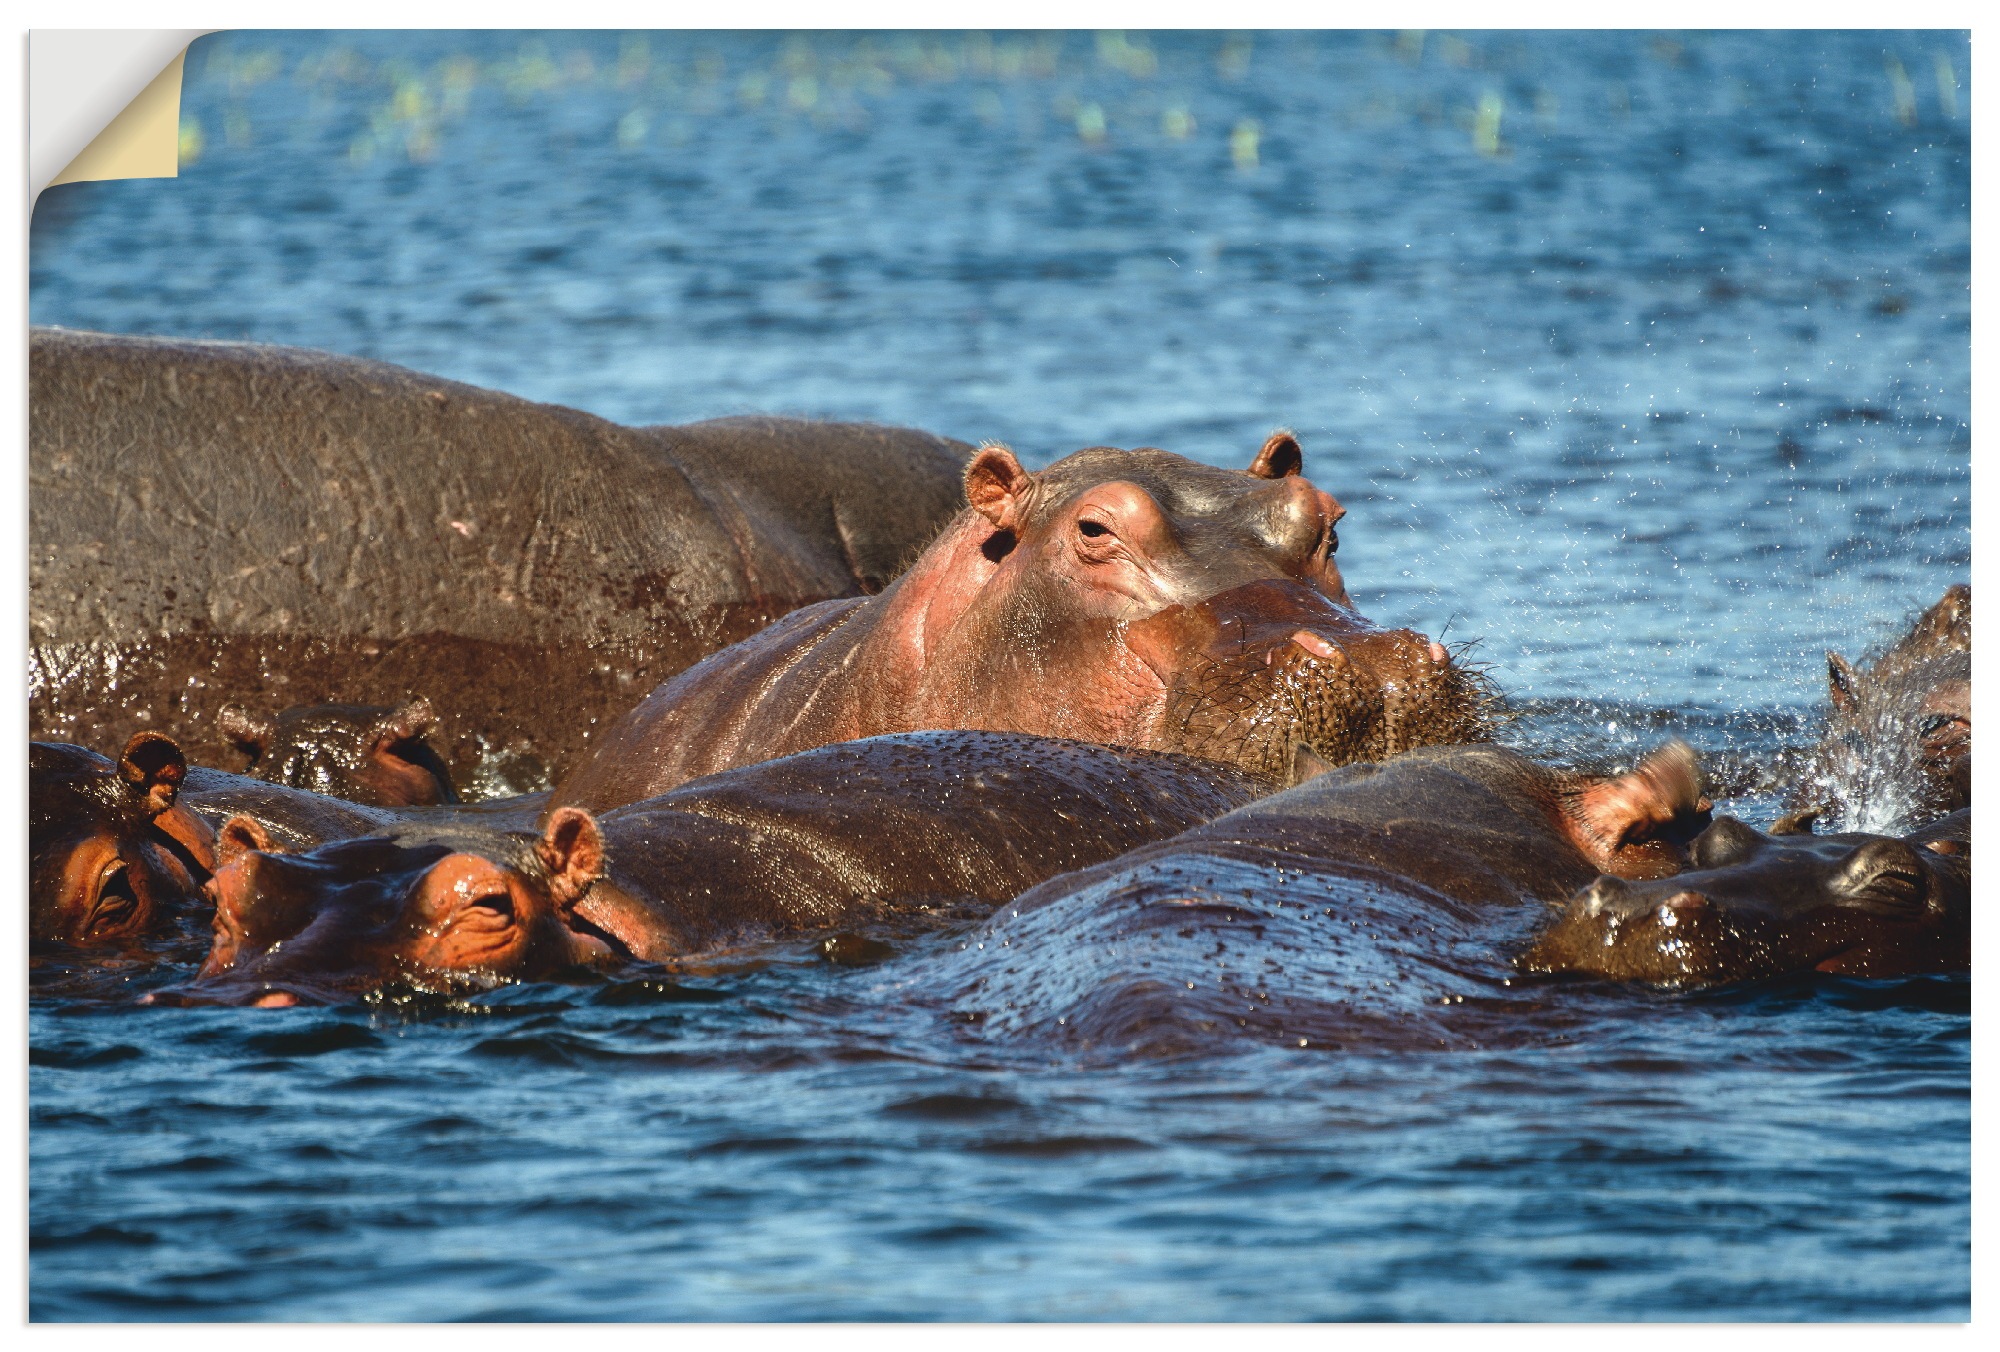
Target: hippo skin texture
[
  {"x": 216, "y": 521},
  {"x": 875, "y": 835},
  {"x": 1375, "y": 905}
]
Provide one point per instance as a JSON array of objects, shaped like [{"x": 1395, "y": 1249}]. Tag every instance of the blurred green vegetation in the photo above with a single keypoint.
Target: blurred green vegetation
[{"x": 1104, "y": 89}]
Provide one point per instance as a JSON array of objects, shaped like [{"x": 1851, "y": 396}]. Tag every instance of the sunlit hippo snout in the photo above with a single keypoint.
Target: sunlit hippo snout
[{"x": 1286, "y": 681}]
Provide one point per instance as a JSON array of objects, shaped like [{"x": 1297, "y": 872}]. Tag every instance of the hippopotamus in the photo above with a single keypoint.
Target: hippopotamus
[
  {"x": 1375, "y": 902},
  {"x": 1755, "y": 904},
  {"x": 113, "y": 855},
  {"x": 122, "y": 850},
  {"x": 848, "y": 837},
  {"x": 215, "y": 522},
  {"x": 1130, "y": 598},
  {"x": 364, "y": 753},
  {"x": 1897, "y": 745}
]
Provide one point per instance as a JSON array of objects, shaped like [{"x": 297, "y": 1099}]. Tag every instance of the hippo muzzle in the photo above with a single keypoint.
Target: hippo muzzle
[{"x": 1281, "y": 680}]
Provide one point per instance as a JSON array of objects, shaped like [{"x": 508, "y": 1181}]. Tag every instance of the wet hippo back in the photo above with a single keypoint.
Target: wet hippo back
[
  {"x": 1375, "y": 904},
  {"x": 217, "y": 521},
  {"x": 909, "y": 831},
  {"x": 859, "y": 830}
]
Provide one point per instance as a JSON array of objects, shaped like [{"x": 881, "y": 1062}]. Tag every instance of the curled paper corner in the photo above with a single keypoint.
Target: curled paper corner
[{"x": 104, "y": 103}]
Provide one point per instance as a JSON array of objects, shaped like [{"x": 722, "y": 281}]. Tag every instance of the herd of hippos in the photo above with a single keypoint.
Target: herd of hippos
[{"x": 523, "y": 693}]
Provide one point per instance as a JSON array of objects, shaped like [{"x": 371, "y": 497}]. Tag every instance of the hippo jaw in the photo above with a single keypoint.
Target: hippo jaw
[{"x": 1756, "y": 906}]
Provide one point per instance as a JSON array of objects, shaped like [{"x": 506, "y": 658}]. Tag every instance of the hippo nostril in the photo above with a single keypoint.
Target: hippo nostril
[{"x": 1318, "y": 646}]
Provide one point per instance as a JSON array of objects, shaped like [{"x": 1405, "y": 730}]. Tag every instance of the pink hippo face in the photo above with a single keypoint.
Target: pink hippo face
[
  {"x": 112, "y": 857},
  {"x": 1139, "y": 598},
  {"x": 1128, "y": 533}
]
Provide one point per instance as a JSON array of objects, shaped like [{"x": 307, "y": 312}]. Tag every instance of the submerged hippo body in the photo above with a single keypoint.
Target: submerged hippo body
[
  {"x": 843, "y": 836},
  {"x": 1756, "y": 905},
  {"x": 363, "y": 753},
  {"x": 213, "y": 522},
  {"x": 1376, "y": 903},
  {"x": 1129, "y": 598},
  {"x": 1897, "y": 746},
  {"x": 120, "y": 852}
]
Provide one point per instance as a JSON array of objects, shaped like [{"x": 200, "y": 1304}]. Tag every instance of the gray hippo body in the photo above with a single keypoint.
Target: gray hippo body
[{"x": 217, "y": 521}]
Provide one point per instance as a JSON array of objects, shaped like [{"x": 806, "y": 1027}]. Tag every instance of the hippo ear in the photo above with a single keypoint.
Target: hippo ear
[
  {"x": 1842, "y": 681},
  {"x": 1949, "y": 621},
  {"x": 252, "y": 735},
  {"x": 1796, "y": 823},
  {"x": 405, "y": 723},
  {"x": 241, "y": 835},
  {"x": 572, "y": 849},
  {"x": 1280, "y": 458},
  {"x": 152, "y": 768},
  {"x": 995, "y": 485},
  {"x": 1308, "y": 763},
  {"x": 1663, "y": 791}
]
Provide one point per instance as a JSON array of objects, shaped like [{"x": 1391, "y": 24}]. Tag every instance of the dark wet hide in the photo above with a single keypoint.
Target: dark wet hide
[
  {"x": 1207, "y": 952},
  {"x": 505, "y": 708}
]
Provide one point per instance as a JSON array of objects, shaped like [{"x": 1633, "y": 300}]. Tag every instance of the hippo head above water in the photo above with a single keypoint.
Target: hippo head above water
[
  {"x": 1898, "y": 740},
  {"x": 1128, "y": 598},
  {"x": 112, "y": 856},
  {"x": 437, "y": 906},
  {"x": 1133, "y": 532},
  {"x": 1226, "y": 628},
  {"x": 1759, "y": 905},
  {"x": 1157, "y": 602},
  {"x": 363, "y": 753}
]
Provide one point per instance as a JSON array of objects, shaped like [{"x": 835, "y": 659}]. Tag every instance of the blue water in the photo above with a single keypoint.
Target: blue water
[{"x": 1643, "y": 359}]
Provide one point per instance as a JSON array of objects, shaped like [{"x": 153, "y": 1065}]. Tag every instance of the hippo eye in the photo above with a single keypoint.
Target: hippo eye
[
  {"x": 1941, "y": 726},
  {"x": 1885, "y": 878},
  {"x": 1090, "y": 530},
  {"x": 1332, "y": 541},
  {"x": 1894, "y": 891},
  {"x": 117, "y": 903},
  {"x": 491, "y": 905}
]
